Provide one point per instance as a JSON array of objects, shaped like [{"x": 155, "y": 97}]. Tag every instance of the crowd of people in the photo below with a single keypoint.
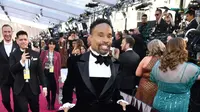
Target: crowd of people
[{"x": 99, "y": 67}]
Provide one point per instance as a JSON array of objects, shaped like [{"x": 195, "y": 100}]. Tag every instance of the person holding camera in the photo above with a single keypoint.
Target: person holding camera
[
  {"x": 26, "y": 69},
  {"x": 161, "y": 25}
]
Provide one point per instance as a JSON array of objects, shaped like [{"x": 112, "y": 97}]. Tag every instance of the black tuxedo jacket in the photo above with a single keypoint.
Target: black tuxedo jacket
[
  {"x": 5, "y": 74},
  {"x": 78, "y": 77},
  {"x": 193, "y": 24},
  {"x": 36, "y": 72},
  {"x": 129, "y": 62}
]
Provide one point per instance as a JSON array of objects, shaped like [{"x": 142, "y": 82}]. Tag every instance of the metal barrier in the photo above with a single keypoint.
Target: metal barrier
[{"x": 142, "y": 107}]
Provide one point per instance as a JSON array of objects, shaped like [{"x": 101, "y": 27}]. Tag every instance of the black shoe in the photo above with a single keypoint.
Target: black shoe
[
  {"x": 52, "y": 108},
  {"x": 48, "y": 106}
]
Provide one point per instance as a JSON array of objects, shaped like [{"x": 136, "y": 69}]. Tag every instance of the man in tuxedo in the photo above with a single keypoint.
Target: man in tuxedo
[
  {"x": 129, "y": 61},
  {"x": 7, "y": 45},
  {"x": 26, "y": 68},
  {"x": 190, "y": 17},
  {"x": 94, "y": 76}
]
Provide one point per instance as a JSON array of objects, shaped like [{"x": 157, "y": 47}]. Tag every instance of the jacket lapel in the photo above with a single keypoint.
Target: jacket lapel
[
  {"x": 3, "y": 52},
  {"x": 84, "y": 71},
  {"x": 114, "y": 71},
  {"x": 14, "y": 47}
]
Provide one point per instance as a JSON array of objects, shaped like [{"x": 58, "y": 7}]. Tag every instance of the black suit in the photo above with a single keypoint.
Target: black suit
[
  {"x": 87, "y": 99},
  {"x": 193, "y": 24},
  {"x": 6, "y": 79},
  {"x": 129, "y": 61},
  {"x": 27, "y": 92}
]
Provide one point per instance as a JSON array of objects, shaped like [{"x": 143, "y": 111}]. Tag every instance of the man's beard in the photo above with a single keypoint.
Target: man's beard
[{"x": 104, "y": 49}]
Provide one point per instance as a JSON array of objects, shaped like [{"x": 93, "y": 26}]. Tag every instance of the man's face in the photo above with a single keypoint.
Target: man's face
[
  {"x": 157, "y": 15},
  {"x": 189, "y": 17},
  {"x": 123, "y": 45},
  {"x": 7, "y": 33},
  {"x": 22, "y": 41},
  {"x": 101, "y": 38},
  {"x": 144, "y": 19}
]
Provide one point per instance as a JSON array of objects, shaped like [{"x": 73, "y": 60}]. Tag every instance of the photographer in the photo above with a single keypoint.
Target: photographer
[{"x": 161, "y": 25}]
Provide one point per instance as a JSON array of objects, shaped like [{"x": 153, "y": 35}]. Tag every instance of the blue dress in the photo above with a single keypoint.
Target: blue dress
[{"x": 174, "y": 88}]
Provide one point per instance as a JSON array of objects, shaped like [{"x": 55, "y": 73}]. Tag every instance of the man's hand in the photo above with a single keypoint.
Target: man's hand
[
  {"x": 116, "y": 53},
  {"x": 24, "y": 57},
  {"x": 44, "y": 90},
  {"x": 66, "y": 109},
  {"x": 123, "y": 104}
]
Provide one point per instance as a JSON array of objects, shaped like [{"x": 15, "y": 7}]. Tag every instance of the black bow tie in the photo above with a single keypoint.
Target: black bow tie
[{"x": 102, "y": 59}]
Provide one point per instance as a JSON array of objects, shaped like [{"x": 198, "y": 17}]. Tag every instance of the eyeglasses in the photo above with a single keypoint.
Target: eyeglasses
[{"x": 157, "y": 14}]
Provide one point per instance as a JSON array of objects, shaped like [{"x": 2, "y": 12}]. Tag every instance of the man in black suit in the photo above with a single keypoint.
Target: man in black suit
[
  {"x": 129, "y": 61},
  {"x": 190, "y": 17},
  {"x": 94, "y": 76},
  {"x": 6, "y": 80},
  {"x": 26, "y": 68}
]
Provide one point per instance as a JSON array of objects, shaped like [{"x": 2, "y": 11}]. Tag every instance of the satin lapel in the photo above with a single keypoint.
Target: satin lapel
[
  {"x": 3, "y": 52},
  {"x": 14, "y": 47},
  {"x": 31, "y": 58},
  {"x": 84, "y": 72},
  {"x": 114, "y": 71}
]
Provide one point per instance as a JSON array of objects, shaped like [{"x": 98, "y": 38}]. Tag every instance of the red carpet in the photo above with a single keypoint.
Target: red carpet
[{"x": 43, "y": 104}]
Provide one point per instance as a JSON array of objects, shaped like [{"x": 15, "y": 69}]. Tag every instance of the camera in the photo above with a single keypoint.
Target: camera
[{"x": 193, "y": 44}]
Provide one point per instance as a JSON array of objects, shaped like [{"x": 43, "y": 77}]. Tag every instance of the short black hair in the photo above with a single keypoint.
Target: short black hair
[
  {"x": 72, "y": 32},
  {"x": 126, "y": 32},
  {"x": 99, "y": 21},
  {"x": 191, "y": 12},
  {"x": 130, "y": 40},
  {"x": 159, "y": 10},
  {"x": 144, "y": 15},
  {"x": 21, "y": 32},
  {"x": 6, "y": 25},
  {"x": 52, "y": 41}
]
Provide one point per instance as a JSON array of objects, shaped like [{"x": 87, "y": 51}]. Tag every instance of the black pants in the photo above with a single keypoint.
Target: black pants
[
  {"x": 5, "y": 93},
  {"x": 27, "y": 97},
  {"x": 51, "y": 87}
]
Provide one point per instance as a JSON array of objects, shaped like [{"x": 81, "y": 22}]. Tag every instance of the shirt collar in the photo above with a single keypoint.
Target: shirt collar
[
  {"x": 129, "y": 49},
  {"x": 8, "y": 43},
  {"x": 95, "y": 53},
  {"x": 22, "y": 50},
  {"x": 191, "y": 20}
]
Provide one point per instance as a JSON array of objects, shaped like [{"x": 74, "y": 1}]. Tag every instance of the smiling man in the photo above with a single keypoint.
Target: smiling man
[
  {"x": 26, "y": 68},
  {"x": 6, "y": 80},
  {"x": 94, "y": 76}
]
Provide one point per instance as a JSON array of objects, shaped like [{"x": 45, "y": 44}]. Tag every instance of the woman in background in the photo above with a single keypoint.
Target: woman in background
[
  {"x": 77, "y": 47},
  {"x": 174, "y": 77},
  {"x": 51, "y": 63},
  {"x": 147, "y": 89}
]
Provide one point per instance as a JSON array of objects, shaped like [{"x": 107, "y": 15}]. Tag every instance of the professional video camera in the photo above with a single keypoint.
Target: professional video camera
[
  {"x": 193, "y": 44},
  {"x": 194, "y": 4},
  {"x": 159, "y": 36}
]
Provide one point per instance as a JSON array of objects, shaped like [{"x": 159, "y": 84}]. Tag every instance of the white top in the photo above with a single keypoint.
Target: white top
[
  {"x": 97, "y": 70},
  {"x": 8, "y": 47},
  {"x": 129, "y": 49}
]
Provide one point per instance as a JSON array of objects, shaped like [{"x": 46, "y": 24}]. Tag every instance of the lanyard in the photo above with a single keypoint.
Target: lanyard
[
  {"x": 51, "y": 59},
  {"x": 27, "y": 63}
]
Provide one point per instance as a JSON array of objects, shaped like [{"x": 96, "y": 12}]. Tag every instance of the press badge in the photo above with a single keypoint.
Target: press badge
[
  {"x": 26, "y": 74},
  {"x": 51, "y": 69}
]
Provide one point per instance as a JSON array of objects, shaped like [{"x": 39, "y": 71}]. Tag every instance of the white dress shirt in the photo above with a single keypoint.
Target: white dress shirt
[
  {"x": 129, "y": 49},
  {"x": 97, "y": 70},
  {"x": 8, "y": 47}
]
